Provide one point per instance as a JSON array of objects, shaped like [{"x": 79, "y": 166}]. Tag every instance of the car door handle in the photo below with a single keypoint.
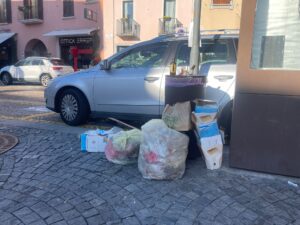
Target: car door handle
[
  {"x": 223, "y": 78},
  {"x": 151, "y": 79}
]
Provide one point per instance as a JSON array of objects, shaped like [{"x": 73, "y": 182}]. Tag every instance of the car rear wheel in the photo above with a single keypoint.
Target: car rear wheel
[
  {"x": 74, "y": 109},
  {"x": 6, "y": 79},
  {"x": 45, "y": 78}
]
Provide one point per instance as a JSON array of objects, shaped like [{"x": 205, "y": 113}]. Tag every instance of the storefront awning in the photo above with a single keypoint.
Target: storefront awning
[
  {"x": 5, "y": 36},
  {"x": 70, "y": 33}
]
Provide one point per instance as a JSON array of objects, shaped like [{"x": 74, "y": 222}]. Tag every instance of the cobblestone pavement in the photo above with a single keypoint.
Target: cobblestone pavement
[{"x": 46, "y": 179}]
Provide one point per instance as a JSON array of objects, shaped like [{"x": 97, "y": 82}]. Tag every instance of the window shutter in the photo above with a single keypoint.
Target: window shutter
[
  {"x": 8, "y": 11},
  {"x": 40, "y": 9}
]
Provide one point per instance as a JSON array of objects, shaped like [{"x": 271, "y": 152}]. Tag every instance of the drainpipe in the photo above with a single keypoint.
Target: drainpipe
[{"x": 114, "y": 26}]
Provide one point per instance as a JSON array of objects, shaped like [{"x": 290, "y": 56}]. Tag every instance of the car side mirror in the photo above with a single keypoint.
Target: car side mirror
[{"x": 105, "y": 65}]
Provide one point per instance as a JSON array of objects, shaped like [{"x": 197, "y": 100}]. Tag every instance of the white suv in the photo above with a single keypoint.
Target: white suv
[{"x": 34, "y": 69}]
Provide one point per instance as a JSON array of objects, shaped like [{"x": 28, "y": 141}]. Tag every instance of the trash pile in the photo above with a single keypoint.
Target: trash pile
[{"x": 161, "y": 147}]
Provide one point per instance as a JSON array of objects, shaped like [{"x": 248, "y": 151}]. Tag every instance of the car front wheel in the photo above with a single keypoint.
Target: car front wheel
[
  {"x": 6, "y": 79},
  {"x": 74, "y": 109}
]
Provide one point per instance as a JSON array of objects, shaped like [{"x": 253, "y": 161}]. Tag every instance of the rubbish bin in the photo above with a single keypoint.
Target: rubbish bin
[{"x": 184, "y": 88}]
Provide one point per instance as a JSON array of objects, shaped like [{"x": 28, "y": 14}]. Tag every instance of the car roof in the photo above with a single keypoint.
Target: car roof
[
  {"x": 207, "y": 36},
  {"x": 41, "y": 57}
]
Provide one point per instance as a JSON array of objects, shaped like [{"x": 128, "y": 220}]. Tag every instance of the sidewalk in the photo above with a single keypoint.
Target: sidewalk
[{"x": 46, "y": 179}]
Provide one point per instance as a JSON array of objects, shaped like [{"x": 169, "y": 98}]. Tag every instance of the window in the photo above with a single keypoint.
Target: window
[
  {"x": 121, "y": 47},
  {"x": 90, "y": 14},
  {"x": 68, "y": 7},
  {"x": 36, "y": 62},
  {"x": 27, "y": 63},
  {"x": 128, "y": 9},
  {"x": 272, "y": 51},
  {"x": 33, "y": 9},
  {"x": 20, "y": 63},
  {"x": 92, "y": 1},
  {"x": 276, "y": 35},
  {"x": 143, "y": 57},
  {"x": 5, "y": 11},
  {"x": 213, "y": 52},
  {"x": 170, "y": 8}
]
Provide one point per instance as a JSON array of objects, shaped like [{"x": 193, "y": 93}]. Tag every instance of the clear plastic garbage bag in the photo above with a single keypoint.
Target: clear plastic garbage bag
[
  {"x": 163, "y": 151},
  {"x": 123, "y": 147}
]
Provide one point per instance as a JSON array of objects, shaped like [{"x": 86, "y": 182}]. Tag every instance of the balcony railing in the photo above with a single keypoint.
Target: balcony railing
[
  {"x": 168, "y": 25},
  {"x": 128, "y": 28},
  {"x": 31, "y": 14}
]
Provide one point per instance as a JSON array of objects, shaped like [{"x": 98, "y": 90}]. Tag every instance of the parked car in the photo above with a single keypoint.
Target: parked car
[
  {"x": 130, "y": 84},
  {"x": 34, "y": 69}
]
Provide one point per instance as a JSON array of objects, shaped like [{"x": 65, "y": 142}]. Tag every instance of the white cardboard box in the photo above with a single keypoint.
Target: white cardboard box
[
  {"x": 96, "y": 140},
  {"x": 212, "y": 149},
  {"x": 92, "y": 142}
]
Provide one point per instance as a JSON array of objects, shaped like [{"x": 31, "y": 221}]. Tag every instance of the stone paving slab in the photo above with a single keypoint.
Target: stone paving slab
[{"x": 46, "y": 179}]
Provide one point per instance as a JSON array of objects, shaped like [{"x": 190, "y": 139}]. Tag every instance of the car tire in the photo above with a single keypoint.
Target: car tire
[
  {"x": 45, "y": 78},
  {"x": 225, "y": 121},
  {"x": 73, "y": 107},
  {"x": 6, "y": 79}
]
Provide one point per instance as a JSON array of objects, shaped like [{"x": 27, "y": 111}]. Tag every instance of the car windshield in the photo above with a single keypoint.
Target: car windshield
[
  {"x": 58, "y": 62},
  {"x": 20, "y": 63}
]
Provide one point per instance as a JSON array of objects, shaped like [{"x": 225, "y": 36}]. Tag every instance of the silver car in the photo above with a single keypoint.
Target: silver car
[
  {"x": 34, "y": 69},
  {"x": 130, "y": 84}
]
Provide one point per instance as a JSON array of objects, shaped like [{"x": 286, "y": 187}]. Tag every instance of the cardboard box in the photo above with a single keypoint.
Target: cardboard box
[
  {"x": 212, "y": 149},
  {"x": 205, "y": 112},
  {"x": 96, "y": 140}
]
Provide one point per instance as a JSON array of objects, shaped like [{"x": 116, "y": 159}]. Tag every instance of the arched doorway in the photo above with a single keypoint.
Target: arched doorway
[{"x": 35, "y": 47}]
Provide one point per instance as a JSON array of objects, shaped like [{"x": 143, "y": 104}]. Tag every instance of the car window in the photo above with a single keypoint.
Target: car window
[
  {"x": 27, "y": 62},
  {"x": 213, "y": 52},
  {"x": 36, "y": 62},
  {"x": 20, "y": 63},
  {"x": 141, "y": 57}
]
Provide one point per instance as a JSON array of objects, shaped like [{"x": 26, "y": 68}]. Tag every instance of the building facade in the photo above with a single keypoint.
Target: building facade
[
  {"x": 126, "y": 22},
  {"x": 49, "y": 28}
]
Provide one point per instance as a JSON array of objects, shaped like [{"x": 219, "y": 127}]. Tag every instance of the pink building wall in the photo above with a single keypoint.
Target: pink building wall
[
  {"x": 147, "y": 14},
  {"x": 53, "y": 20}
]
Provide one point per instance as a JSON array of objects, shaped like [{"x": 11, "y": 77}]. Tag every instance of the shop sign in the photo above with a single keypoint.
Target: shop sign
[{"x": 75, "y": 41}]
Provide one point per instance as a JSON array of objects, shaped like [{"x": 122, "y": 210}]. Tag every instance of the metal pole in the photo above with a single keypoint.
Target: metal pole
[{"x": 194, "y": 57}]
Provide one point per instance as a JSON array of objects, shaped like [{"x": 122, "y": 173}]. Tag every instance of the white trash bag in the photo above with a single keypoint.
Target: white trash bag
[
  {"x": 163, "y": 151},
  {"x": 123, "y": 147}
]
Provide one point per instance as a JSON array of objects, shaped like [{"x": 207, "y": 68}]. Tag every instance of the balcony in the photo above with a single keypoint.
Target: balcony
[
  {"x": 128, "y": 28},
  {"x": 30, "y": 14},
  {"x": 168, "y": 25}
]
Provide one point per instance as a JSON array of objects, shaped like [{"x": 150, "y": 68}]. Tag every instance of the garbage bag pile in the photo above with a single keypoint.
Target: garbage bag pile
[{"x": 161, "y": 147}]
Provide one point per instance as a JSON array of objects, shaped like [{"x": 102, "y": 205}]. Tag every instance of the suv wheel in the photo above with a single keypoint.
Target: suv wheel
[
  {"x": 225, "y": 121},
  {"x": 74, "y": 108},
  {"x": 6, "y": 79},
  {"x": 45, "y": 78}
]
